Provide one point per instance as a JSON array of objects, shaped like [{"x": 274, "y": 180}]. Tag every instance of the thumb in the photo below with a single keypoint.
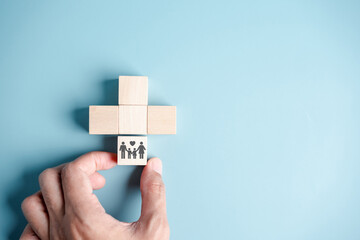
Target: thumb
[{"x": 153, "y": 209}]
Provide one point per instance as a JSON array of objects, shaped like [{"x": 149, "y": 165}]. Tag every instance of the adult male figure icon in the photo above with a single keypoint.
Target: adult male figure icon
[{"x": 123, "y": 149}]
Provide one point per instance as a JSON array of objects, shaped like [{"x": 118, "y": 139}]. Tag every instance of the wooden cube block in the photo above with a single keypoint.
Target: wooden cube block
[
  {"x": 132, "y": 119},
  {"x": 132, "y": 150},
  {"x": 103, "y": 119},
  {"x": 133, "y": 90},
  {"x": 161, "y": 120}
]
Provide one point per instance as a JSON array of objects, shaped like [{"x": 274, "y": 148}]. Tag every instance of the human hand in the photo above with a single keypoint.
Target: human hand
[{"x": 66, "y": 207}]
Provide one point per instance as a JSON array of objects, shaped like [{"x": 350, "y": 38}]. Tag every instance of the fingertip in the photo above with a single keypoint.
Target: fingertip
[{"x": 155, "y": 164}]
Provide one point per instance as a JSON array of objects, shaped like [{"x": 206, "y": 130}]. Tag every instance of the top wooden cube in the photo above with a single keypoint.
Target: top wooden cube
[{"x": 133, "y": 90}]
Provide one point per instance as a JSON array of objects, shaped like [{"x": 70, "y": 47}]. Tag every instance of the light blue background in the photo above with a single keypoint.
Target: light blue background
[{"x": 267, "y": 94}]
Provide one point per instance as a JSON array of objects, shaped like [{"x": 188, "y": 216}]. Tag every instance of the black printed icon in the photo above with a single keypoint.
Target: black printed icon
[
  {"x": 140, "y": 150},
  {"x": 122, "y": 150}
]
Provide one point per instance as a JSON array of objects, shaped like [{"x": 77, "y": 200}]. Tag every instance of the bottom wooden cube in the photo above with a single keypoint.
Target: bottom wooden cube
[{"x": 132, "y": 150}]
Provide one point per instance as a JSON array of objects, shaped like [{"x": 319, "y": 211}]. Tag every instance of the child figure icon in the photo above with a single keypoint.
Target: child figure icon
[
  {"x": 129, "y": 154},
  {"x": 134, "y": 153}
]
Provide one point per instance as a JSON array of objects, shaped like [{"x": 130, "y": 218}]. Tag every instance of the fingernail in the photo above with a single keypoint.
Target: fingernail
[{"x": 156, "y": 165}]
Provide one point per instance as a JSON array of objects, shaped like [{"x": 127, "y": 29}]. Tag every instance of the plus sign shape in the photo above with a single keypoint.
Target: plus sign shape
[{"x": 132, "y": 116}]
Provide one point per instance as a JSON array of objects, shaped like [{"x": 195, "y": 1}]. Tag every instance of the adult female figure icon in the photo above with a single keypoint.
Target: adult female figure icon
[{"x": 141, "y": 149}]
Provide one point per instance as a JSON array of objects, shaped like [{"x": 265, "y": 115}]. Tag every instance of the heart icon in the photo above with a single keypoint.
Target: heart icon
[{"x": 132, "y": 143}]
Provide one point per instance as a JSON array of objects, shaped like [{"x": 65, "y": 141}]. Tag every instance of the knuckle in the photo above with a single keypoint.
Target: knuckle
[
  {"x": 94, "y": 154},
  {"x": 69, "y": 170},
  {"x": 96, "y": 157},
  {"x": 162, "y": 222},
  {"x": 47, "y": 175},
  {"x": 80, "y": 227},
  {"x": 157, "y": 187},
  {"x": 66, "y": 171},
  {"x": 29, "y": 203},
  {"x": 78, "y": 165}
]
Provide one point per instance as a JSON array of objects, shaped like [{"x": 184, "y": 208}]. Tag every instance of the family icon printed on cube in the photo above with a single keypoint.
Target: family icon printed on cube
[
  {"x": 141, "y": 149},
  {"x": 132, "y": 150}
]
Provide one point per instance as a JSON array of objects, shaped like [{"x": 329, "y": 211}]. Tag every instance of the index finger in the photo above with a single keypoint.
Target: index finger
[{"x": 95, "y": 161}]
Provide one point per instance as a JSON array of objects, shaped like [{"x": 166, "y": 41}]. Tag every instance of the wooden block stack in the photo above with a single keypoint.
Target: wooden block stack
[{"x": 132, "y": 116}]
